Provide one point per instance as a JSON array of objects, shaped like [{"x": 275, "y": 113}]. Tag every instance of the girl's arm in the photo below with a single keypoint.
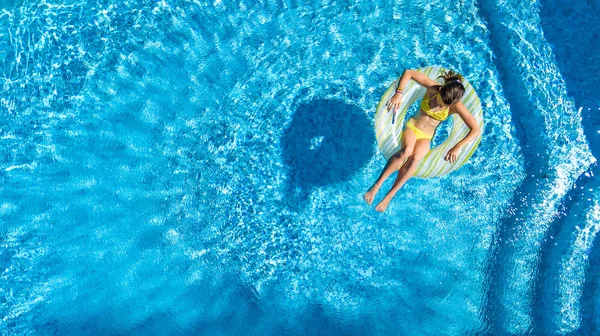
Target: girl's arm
[
  {"x": 407, "y": 75},
  {"x": 468, "y": 118},
  {"x": 419, "y": 77}
]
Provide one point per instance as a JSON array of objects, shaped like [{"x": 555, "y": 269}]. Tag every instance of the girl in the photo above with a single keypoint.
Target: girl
[{"x": 439, "y": 102}]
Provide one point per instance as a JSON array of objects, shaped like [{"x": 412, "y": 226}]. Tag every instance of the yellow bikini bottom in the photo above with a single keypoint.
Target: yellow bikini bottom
[{"x": 420, "y": 134}]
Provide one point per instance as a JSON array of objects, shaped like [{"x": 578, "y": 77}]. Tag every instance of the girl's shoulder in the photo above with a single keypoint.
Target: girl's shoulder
[
  {"x": 456, "y": 108},
  {"x": 433, "y": 90}
]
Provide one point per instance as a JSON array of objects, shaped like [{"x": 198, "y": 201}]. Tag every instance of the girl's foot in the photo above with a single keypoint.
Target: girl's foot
[
  {"x": 370, "y": 195},
  {"x": 383, "y": 204}
]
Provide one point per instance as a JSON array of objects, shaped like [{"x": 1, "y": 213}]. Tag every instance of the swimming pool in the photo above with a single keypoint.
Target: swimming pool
[{"x": 193, "y": 167}]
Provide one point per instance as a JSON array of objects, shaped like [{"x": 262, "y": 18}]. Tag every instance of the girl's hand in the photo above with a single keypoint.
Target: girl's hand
[
  {"x": 452, "y": 154},
  {"x": 394, "y": 103}
]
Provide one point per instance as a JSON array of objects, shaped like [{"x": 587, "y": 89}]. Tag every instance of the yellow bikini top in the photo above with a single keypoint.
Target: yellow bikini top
[{"x": 440, "y": 115}]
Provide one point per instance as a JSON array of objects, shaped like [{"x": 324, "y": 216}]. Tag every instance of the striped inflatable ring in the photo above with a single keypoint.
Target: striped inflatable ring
[{"x": 388, "y": 131}]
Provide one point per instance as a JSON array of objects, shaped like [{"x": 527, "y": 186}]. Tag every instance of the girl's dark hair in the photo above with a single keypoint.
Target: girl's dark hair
[{"x": 452, "y": 89}]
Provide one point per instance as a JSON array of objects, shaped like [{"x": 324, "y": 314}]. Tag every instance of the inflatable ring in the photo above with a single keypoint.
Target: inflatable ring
[{"x": 388, "y": 127}]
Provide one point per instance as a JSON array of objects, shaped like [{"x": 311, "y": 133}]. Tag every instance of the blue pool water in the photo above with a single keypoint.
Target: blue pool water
[{"x": 187, "y": 167}]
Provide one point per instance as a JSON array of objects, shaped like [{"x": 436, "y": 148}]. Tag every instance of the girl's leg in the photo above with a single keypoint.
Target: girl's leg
[
  {"x": 394, "y": 163},
  {"x": 406, "y": 172}
]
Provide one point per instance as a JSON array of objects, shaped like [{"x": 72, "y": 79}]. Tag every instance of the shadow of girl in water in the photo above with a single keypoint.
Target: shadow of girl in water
[{"x": 327, "y": 142}]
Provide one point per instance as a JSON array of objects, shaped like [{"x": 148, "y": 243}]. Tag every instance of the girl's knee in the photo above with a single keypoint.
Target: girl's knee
[
  {"x": 417, "y": 157},
  {"x": 404, "y": 152},
  {"x": 397, "y": 161}
]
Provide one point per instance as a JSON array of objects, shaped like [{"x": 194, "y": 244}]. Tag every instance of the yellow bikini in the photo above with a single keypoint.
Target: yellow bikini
[
  {"x": 437, "y": 115},
  {"x": 440, "y": 115},
  {"x": 420, "y": 134}
]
